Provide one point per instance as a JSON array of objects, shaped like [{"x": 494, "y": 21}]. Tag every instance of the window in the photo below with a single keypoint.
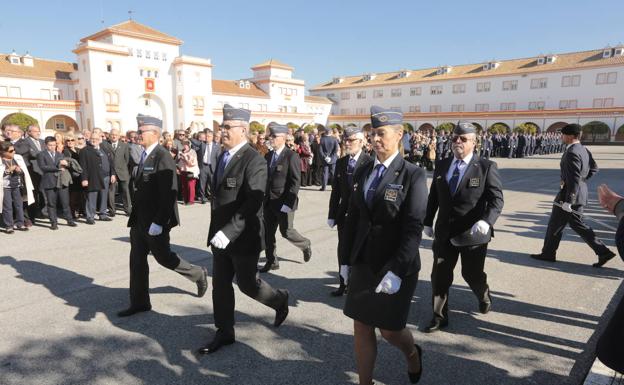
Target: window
[
  {"x": 56, "y": 94},
  {"x": 149, "y": 73},
  {"x": 148, "y": 54},
  {"x": 536, "y": 105},
  {"x": 459, "y": 88},
  {"x": 345, "y": 95},
  {"x": 344, "y": 111},
  {"x": 164, "y": 56},
  {"x": 457, "y": 108},
  {"x": 378, "y": 94},
  {"x": 414, "y": 108},
  {"x": 45, "y": 94},
  {"x": 4, "y": 91},
  {"x": 244, "y": 105},
  {"x": 482, "y": 107},
  {"x": 395, "y": 108},
  {"x": 603, "y": 103},
  {"x": 606, "y": 78},
  {"x": 436, "y": 90},
  {"x": 293, "y": 109},
  {"x": 16, "y": 92},
  {"x": 15, "y": 60},
  {"x": 156, "y": 55},
  {"x": 282, "y": 108},
  {"x": 360, "y": 111},
  {"x": 395, "y": 93},
  {"x": 510, "y": 85},
  {"x": 139, "y": 53},
  {"x": 567, "y": 104},
  {"x": 483, "y": 86},
  {"x": 262, "y": 107},
  {"x": 508, "y": 106},
  {"x": 59, "y": 124},
  {"x": 435, "y": 108},
  {"x": 109, "y": 67},
  {"x": 415, "y": 91},
  {"x": 539, "y": 83},
  {"x": 331, "y": 95},
  {"x": 86, "y": 98},
  {"x": 361, "y": 94},
  {"x": 180, "y": 101},
  {"x": 571, "y": 81}
]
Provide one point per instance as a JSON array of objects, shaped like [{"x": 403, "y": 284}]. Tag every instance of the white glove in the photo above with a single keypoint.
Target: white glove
[
  {"x": 344, "y": 273},
  {"x": 389, "y": 284},
  {"x": 567, "y": 207},
  {"x": 327, "y": 159},
  {"x": 154, "y": 230},
  {"x": 428, "y": 230},
  {"x": 331, "y": 223},
  {"x": 285, "y": 209},
  {"x": 220, "y": 241},
  {"x": 481, "y": 227}
]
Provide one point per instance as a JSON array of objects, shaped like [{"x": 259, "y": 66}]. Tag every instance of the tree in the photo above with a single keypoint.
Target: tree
[
  {"x": 20, "y": 119},
  {"x": 446, "y": 126},
  {"x": 256, "y": 127},
  {"x": 498, "y": 128},
  {"x": 526, "y": 128},
  {"x": 292, "y": 125},
  {"x": 408, "y": 127}
]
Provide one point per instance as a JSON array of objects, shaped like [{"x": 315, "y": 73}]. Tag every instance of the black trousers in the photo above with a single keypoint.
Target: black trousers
[
  {"x": 123, "y": 186},
  {"x": 205, "y": 177},
  {"x": 53, "y": 197},
  {"x": 341, "y": 238},
  {"x": 274, "y": 219},
  {"x": 141, "y": 243},
  {"x": 225, "y": 266},
  {"x": 557, "y": 223},
  {"x": 445, "y": 257},
  {"x": 33, "y": 210}
]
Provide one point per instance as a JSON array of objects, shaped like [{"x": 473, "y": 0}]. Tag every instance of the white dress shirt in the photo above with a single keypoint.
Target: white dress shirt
[
  {"x": 463, "y": 166},
  {"x": 371, "y": 177}
]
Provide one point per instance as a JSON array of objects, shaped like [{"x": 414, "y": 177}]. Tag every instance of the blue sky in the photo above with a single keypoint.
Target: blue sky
[{"x": 322, "y": 38}]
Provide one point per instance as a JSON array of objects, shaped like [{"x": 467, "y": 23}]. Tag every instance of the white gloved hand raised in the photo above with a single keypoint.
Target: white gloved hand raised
[
  {"x": 389, "y": 284},
  {"x": 220, "y": 241},
  {"x": 154, "y": 230},
  {"x": 481, "y": 227},
  {"x": 285, "y": 209},
  {"x": 428, "y": 230},
  {"x": 344, "y": 273},
  {"x": 331, "y": 223}
]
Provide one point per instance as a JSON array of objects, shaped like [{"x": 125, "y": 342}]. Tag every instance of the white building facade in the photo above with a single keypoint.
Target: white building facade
[
  {"x": 547, "y": 91},
  {"x": 131, "y": 68}
]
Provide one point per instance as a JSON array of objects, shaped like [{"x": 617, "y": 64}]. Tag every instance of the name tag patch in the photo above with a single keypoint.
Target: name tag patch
[
  {"x": 395, "y": 186},
  {"x": 148, "y": 168},
  {"x": 474, "y": 182},
  {"x": 230, "y": 182},
  {"x": 391, "y": 195}
]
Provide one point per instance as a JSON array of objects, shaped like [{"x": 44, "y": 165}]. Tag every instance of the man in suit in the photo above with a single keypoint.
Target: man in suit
[
  {"x": 121, "y": 161},
  {"x": 135, "y": 151},
  {"x": 207, "y": 157},
  {"x": 281, "y": 200},
  {"x": 98, "y": 172},
  {"x": 348, "y": 169},
  {"x": 577, "y": 166},
  {"x": 328, "y": 149},
  {"x": 50, "y": 163},
  {"x": 467, "y": 194},
  {"x": 154, "y": 213},
  {"x": 236, "y": 229},
  {"x": 28, "y": 147}
]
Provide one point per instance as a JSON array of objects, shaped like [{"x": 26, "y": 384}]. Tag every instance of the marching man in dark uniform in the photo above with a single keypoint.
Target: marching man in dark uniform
[
  {"x": 467, "y": 194},
  {"x": 380, "y": 247},
  {"x": 280, "y": 204},
  {"x": 348, "y": 169},
  {"x": 236, "y": 229},
  {"x": 577, "y": 166},
  {"x": 154, "y": 213}
]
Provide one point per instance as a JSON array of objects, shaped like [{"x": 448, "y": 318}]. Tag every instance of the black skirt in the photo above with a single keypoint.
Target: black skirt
[{"x": 378, "y": 310}]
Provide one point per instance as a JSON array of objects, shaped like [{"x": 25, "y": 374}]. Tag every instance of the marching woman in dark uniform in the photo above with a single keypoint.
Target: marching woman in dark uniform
[{"x": 380, "y": 257}]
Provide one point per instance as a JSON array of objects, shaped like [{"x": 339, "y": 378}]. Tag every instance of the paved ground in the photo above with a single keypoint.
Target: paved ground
[{"x": 60, "y": 291}]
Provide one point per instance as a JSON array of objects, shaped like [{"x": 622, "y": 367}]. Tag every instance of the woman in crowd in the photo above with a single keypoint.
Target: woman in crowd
[
  {"x": 76, "y": 193},
  {"x": 16, "y": 182},
  {"x": 189, "y": 172},
  {"x": 305, "y": 154}
]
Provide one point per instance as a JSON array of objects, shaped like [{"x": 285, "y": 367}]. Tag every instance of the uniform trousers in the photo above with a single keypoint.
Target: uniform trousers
[{"x": 274, "y": 219}]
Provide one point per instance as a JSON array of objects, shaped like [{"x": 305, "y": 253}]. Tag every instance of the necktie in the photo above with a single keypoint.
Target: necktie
[
  {"x": 370, "y": 193},
  {"x": 273, "y": 161},
  {"x": 115, "y": 146},
  {"x": 454, "y": 178},
  {"x": 222, "y": 164},
  {"x": 143, "y": 156},
  {"x": 350, "y": 170}
]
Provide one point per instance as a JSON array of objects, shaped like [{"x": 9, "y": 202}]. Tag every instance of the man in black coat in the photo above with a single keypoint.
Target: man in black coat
[
  {"x": 98, "y": 172},
  {"x": 28, "y": 147},
  {"x": 348, "y": 169},
  {"x": 467, "y": 194},
  {"x": 154, "y": 214},
  {"x": 121, "y": 162},
  {"x": 328, "y": 150},
  {"x": 577, "y": 166},
  {"x": 50, "y": 163},
  {"x": 207, "y": 157},
  {"x": 281, "y": 200},
  {"x": 236, "y": 231}
]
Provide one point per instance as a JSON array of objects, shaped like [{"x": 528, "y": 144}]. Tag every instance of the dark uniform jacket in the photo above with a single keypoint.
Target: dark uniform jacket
[
  {"x": 577, "y": 166},
  {"x": 328, "y": 148},
  {"x": 91, "y": 164},
  {"x": 50, "y": 168},
  {"x": 479, "y": 196},
  {"x": 283, "y": 180},
  {"x": 237, "y": 202},
  {"x": 387, "y": 236},
  {"x": 156, "y": 184},
  {"x": 341, "y": 189}
]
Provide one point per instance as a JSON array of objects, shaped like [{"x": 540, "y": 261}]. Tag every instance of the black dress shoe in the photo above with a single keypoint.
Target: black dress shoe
[
  {"x": 71, "y": 224},
  {"x": 90, "y": 221},
  {"x": 105, "y": 218},
  {"x": 307, "y": 254},
  {"x": 132, "y": 310},
  {"x": 9, "y": 231},
  {"x": 269, "y": 265},
  {"x": 54, "y": 226},
  {"x": 415, "y": 377},
  {"x": 282, "y": 312},
  {"x": 604, "y": 258},
  {"x": 202, "y": 284},
  {"x": 436, "y": 324},
  {"x": 485, "y": 306},
  {"x": 221, "y": 339},
  {"x": 542, "y": 257},
  {"x": 339, "y": 292}
]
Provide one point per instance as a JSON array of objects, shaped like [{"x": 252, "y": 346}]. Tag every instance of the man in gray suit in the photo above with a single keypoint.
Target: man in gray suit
[
  {"x": 28, "y": 147},
  {"x": 121, "y": 152},
  {"x": 207, "y": 156},
  {"x": 577, "y": 166}
]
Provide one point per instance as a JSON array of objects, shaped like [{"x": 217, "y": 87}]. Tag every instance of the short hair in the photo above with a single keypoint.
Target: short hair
[
  {"x": 31, "y": 126},
  {"x": 4, "y": 146},
  {"x": 50, "y": 139},
  {"x": 128, "y": 133}
]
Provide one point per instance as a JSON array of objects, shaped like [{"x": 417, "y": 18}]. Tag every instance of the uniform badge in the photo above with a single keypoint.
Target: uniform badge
[
  {"x": 474, "y": 182},
  {"x": 151, "y": 168},
  {"x": 279, "y": 167},
  {"x": 383, "y": 118},
  {"x": 395, "y": 186},
  {"x": 230, "y": 182},
  {"x": 391, "y": 194}
]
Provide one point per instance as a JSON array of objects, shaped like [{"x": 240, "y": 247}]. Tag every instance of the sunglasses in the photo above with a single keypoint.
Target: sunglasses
[
  {"x": 227, "y": 126},
  {"x": 11, "y": 151},
  {"x": 350, "y": 140},
  {"x": 70, "y": 140},
  {"x": 462, "y": 138},
  {"x": 80, "y": 138}
]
